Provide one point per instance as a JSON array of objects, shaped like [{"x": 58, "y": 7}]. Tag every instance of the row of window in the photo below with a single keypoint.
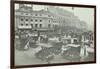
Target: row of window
[
  {"x": 41, "y": 20},
  {"x": 36, "y": 25},
  {"x": 35, "y": 14},
  {"x": 31, "y": 20},
  {"x": 40, "y": 15}
]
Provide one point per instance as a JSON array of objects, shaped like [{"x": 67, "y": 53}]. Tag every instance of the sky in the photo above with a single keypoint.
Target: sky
[{"x": 84, "y": 14}]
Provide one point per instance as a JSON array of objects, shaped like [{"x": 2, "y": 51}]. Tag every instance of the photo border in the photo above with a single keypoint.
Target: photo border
[{"x": 12, "y": 11}]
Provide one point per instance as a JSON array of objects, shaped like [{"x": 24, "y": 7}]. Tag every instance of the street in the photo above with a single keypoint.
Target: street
[{"x": 28, "y": 58}]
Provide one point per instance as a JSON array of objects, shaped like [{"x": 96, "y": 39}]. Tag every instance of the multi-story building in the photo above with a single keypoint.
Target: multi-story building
[
  {"x": 27, "y": 18},
  {"x": 45, "y": 19}
]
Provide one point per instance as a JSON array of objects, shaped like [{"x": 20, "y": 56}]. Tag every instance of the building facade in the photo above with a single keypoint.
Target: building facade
[
  {"x": 27, "y": 18},
  {"x": 46, "y": 19}
]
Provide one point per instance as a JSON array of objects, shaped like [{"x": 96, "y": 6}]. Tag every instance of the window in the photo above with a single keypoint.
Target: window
[
  {"x": 40, "y": 25},
  {"x": 40, "y": 20},
  {"x": 21, "y": 19},
  {"x": 22, "y": 13},
  {"x": 69, "y": 41},
  {"x": 21, "y": 24},
  {"x": 49, "y": 16},
  {"x": 36, "y": 25},
  {"x": 49, "y": 21},
  {"x": 35, "y": 14},
  {"x": 26, "y": 19},
  {"x": 31, "y": 19},
  {"x": 54, "y": 21},
  {"x": 35, "y": 20},
  {"x": 53, "y": 25},
  {"x": 26, "y": 24},
  {"x": 32, "y": 25},
  {"x": 49, "y": 25},
  {"x": 26, "y": 13}
]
